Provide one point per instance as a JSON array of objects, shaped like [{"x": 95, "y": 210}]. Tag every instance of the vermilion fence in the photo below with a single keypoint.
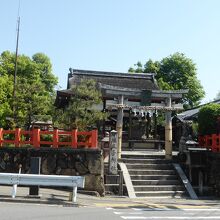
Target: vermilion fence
[
  {"x": 36, "y": 138},
  {"x": 210, "y": 141}
]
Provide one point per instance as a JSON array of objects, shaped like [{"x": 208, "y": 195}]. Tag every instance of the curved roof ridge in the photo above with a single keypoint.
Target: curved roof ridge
[{"x": 110, "y": 74}]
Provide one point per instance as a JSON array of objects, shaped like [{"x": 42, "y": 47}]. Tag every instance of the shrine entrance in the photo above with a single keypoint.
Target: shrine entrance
[{"x": 136, "y": 111}]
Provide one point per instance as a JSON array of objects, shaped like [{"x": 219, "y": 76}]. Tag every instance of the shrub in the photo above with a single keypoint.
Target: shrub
[{"x": 208, "y": 119}]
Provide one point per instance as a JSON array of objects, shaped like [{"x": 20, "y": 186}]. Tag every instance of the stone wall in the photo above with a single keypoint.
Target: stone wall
[
  {"x": 207, "y": 163},
  {"x": 214, "y": 175},
  {"x": 62, "y": 161}
]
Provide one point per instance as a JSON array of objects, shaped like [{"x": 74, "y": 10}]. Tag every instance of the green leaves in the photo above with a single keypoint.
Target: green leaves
[
  {"x": 34, "y": 89},
  {"x": 208, "y": 119},
  {"x": 81, "y": 112},
  {"x": 173, "y": 73}
]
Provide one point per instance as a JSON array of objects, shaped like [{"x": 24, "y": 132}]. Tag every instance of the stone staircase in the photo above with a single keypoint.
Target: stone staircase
[{"x": 153, "y": 176}]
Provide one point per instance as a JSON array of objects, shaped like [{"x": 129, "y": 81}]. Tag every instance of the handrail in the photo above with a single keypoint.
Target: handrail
[{"x": 35, "y": 138}]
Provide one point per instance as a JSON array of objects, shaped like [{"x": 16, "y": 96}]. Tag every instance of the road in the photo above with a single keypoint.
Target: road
[{"x": 23, "y": 211}]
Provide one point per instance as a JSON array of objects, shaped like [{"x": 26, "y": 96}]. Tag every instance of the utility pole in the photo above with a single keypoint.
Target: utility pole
[{"x": 16, "y": 67}]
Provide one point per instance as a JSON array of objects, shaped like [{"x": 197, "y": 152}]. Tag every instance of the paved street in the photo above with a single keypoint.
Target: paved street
[
  {"x": 55, "y": 204},
  {"x": 155, "y": 213},
  {"x": 42, "y": 212}
]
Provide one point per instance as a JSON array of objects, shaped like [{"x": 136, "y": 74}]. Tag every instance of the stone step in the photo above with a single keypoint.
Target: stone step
[
  {"x": 147, "y": 188},
  {"x": 142, "y": 156},
  {"x": 111, "y": 179},
  {"x": 146, "y": 161},
  {"x": 161, "y": 194},
  {"x": 149, "y": 166},
  {"x": 114, "y": 188},
  {"x": 155, "y": 182},
  {"x": 149, "y": 172},
  {"x": 154, "y": 177}
]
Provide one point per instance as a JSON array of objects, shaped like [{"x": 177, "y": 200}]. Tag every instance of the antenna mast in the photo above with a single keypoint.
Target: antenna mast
[
  {"x": 16, "y": 65},
  {"x": 16, "y": 56}
]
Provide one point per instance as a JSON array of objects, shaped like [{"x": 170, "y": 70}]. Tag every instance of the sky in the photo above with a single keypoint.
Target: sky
[{"x": 112, "y": 35}]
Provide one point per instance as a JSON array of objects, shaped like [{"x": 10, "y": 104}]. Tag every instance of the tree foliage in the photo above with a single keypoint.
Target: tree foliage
[
  {"x": 208, "y": 119},
  {"x": 173, "y": 73},
  {"x": 34, "y": 88},
  {"x": 81, "y": 112}
]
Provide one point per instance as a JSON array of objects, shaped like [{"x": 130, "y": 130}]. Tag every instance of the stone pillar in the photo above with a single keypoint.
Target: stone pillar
[
  {"x": 35, "y": 169},
  {"x": 113, "y": 157},
  {"x": 119, "y": 124},
  {"x": 168, "y": 131}
]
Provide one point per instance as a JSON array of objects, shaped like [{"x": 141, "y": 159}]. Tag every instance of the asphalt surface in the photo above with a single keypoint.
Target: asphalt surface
[{"x": 55, "y": 204}]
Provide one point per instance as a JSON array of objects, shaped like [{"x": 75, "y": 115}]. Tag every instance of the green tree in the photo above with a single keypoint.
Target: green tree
[
  {"x": 6, "y": 88},
  {"x": 32, "y": 99},
  {"x": 34, "y": 89},
  {"x": 208, "y": 119},
  {"x": 173, "y": 73},
  {"x": 81, "y": 113}
]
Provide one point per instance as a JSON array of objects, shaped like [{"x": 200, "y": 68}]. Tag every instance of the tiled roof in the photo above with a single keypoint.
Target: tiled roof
[
  {"x": 126, "y": 80},
  {"x": 192, "y": 113}
]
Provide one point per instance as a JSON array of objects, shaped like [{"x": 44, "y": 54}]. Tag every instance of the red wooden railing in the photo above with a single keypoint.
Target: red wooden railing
[
  {"x": 210, "y": 141},
  {"x": 73, "y": 139}
]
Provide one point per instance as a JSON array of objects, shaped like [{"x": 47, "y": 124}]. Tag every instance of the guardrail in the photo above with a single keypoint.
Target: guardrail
[
  {"x": 35, "y": 137},
  {"x": 42, "y": 180},
  {"x": 210, "y": 141}
]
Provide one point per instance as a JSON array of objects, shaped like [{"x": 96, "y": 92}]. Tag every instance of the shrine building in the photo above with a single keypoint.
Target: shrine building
[{"x": 133, "y": 101}]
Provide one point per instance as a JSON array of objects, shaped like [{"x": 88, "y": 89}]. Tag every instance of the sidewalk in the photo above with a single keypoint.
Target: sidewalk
[{"x": 61, "y": 197}]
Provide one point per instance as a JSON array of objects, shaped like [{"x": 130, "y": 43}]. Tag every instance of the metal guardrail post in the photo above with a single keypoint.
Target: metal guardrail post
[{"x": 14, "y": 189}]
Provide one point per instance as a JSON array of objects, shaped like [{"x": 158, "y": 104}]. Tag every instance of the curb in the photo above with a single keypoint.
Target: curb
[{"x": 41, "y": 201}]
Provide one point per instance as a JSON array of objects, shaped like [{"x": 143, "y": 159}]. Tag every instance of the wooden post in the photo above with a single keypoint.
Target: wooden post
[
  {"x": 17, "y": 137},
  {"x": 55, "y": 138},
  {"x": 148, "y": 125},
  {"x": 103, "y": 122},
  {"x": 94, "y": 139},
  {"x": 113, "y": 158},
  {"x": 36, "y": 137},
  {"x": 1, "y": 136},
  {"x": 155, "y": 124},
  {"x": 168, "y": 132},
  {"x": 129, "y": 129},
  {"x": 119, "y": 124},
  {"x": 74, "y": 138}
]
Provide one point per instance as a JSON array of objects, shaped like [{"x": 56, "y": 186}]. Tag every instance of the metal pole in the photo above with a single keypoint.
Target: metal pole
[
  {"x": 74, "y": 194},
  {"x": 15, "y": 73},
  {"x": 168, "y": 131},
  {"x": 14, "y": 189},
  {"x": 119, "y": 125}
]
